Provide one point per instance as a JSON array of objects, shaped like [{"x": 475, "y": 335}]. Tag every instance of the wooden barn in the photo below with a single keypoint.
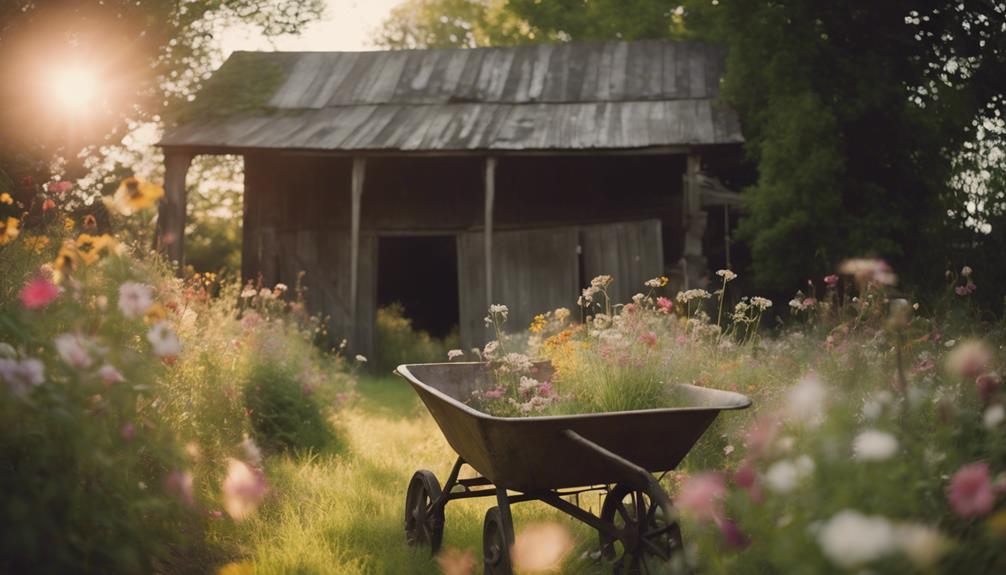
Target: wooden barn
[{"x": 449, "y": 179}]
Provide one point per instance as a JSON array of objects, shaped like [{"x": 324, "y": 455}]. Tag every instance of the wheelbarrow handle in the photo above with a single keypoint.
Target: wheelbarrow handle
[{"x": 632, "y": 474}]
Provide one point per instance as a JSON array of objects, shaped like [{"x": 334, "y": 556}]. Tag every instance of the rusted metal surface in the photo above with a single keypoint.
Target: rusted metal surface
[
  {"x": 621, "y": 95},
  {"x": 532, "y": 454}
]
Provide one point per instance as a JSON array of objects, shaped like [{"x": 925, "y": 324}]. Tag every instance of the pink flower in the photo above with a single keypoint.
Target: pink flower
[
  {"x": 649, "y": 338},
  {"x": 969, "y": 359},
  {"x": 869, "y": 271},
  {"x": 732, "y": 534},
  {"x": 970, "y": 490},
  {"x": 831, "y": 281},
  {"x": 665, "y": 304},
  {"x": 109, "y": 375},
  {"x": 701, "y": 496},
  {"x": 39, "y": 292},
  {"x": 967, "y": 289},
  {"x": 493, "y": 393},
  {"x": 987, "y": 384},
  {"x": 179, "y": 484},
  {"x": 761, "y": 435},
  {"x": 128, "y": 431},
  {"x": 60, "y": 187},
  {"x": 629, "y": 308},
  {"x": 244, "y": 488}
]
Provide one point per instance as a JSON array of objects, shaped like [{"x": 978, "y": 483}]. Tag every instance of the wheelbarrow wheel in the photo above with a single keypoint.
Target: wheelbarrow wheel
[
  {"x": 424, "y": 517},
  {"x": 646, "y": 536},
  {"x": 497, "y": 539}
]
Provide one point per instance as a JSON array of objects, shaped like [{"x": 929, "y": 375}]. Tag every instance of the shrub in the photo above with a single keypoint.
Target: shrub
[
  {"x": 398, "y": 342},
  {"x": 284, "y": 415}
]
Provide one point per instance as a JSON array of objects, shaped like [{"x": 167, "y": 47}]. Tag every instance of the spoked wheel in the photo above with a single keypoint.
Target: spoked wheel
[
  {"x": 646, "y": 536},
  {"x": 424, "y": 521},
  {"x": 497, "y": 539}
]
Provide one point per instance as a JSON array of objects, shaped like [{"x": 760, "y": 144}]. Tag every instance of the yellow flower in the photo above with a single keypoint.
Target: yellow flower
[
  {"x": 155, "y": 313},
  {"x": 67, "y": 260},
  {"x": 6, "y": 199},
  {"x": 135, "y": 194},
  {"x": 36, "y": 243},
  {"x": 663, "y": 281},
  {"x": 538, "y": 324},
  {"x": 68, "y": 224},
  {"x": 91, "y": 247},
  {"x": 9, "y": 230}
]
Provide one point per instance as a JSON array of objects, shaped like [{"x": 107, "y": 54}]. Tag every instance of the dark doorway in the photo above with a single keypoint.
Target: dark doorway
[{"x": 421, "y": 273}]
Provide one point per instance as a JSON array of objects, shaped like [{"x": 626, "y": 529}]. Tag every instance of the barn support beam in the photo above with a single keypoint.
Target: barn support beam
[
  {"x": 490, "y": 199},
  {"x": 359, "y": 173},
  {"x": 693, "y": 260},
  {"x": 170, "y": 239}
]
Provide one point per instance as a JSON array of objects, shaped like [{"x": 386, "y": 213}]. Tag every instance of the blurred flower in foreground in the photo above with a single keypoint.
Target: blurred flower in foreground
[
  {"x": 805, "y": 401},
  {"x": 701, "y": 496},
  {"x": 242, "y": 568},
  {"x": 850, "y": 539},
  {"x": 873, "y": 445},
  {"x": 456, "y": 562},
  {"x": 135, "y": 298},
  {"x": 541, "y": 547},
  {"x": 969, "y": 359},
  {"x": 72, "y": 348},
  {"x": 243, "y": 488},
  {"x": 134, "y": 195},
  {"x": 163, "y": 340},
  {"x": 970, "y": 491},
  {"x": 179, "y": 484},
  {"x": 39, "y": 292},
  {"x": 21, "y": 375},
  {"x": 9, "y": 230},
  {"x": 867, "y": 270}
]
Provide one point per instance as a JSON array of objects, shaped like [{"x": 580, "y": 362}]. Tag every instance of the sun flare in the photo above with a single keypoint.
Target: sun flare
[{"x": 73, "y": 88}]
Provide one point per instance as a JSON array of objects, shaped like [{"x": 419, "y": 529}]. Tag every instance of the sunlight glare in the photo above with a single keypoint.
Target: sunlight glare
[{"x": 74, "y": 88}]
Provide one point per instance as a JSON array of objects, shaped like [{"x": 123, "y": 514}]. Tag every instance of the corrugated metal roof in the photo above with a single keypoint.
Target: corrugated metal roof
[{"x": 549, "y": 97}]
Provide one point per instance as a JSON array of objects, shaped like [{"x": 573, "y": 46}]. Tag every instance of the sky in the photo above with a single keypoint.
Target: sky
[{"x": 348, "y": 25}]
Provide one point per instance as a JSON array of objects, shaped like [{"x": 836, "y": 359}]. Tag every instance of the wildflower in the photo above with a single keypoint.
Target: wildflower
[
  {"x": 6, "y": 198},
  {"x": 67, "y": 259},
  {"x": 36, "y": 244},
  {"x": 873, "y": 445},
  {"x": 38, "y": 293},
  {"x": 135, "y": 299},
  {"x": 455, "y": 561},
  {"x": 243, "y": 489},
  {"x": 60, "y": 187},
  {"x": 921, "y": 544},
  {"x": 251, "y": 451},
  {"x": 987, "y": 384},
  {"x": 69, "y": 224},
  {"x": 601, "y": 281},
  {"x": 493, "y": 393},
  {"x": 163, "y": 340},
  {"x": 490, "y": 349},
  {"x": 9, "y": 230},
  {"x": 806, "y": 400},
  {"x": 966, "y": 289},
  {"x": 500, "y": 309},
  {"x": 135, "y": 194},
  {"x": 90, "y": 248},
  {"x": 281, "y": 288},
  {"x": 969, "y": 359},
  {"x": 869, "y": 271},
  {"x": 360, "y": 358},
  {"x": 994, "y": 415},
  {"x": 727, "y": 275},
  {"x": 454, "y": 354},
  {"x": 248, "y": 292},
  {"x": 648, "y": 338},
  {"x": 966, "y": 271},
  {"x": 561, "y": 314},
  {"x": 761, "y": 303},
  {"x": 48, "y": 205},
  {"x": 761, "y": 435},
  {"x": 527, "y": 385},
  {"x": 89, "y": 222},
  {"x": 688, "y": 295},
  {"x": 541, "y": 547},
  {"x": 179, "y": 484},
  {"x": 73, "y": 351},
  {"x": 784, "y": 475},
  {"x": 127, "y": 431},
  {"x": 657, "y": 282},
  {"x": 732, "y": 534},
  {"x": 850, "y": 539},
  {"x": 970, "y": 492},
  {"x": 537, "y": 324},
  {"x": 109, "y": 375},
  {"x": 701, "y": 496},
  {"x": 22, "y": 375},
  {"x": 665, "y": 305},
  {"x": 517, "y": 362},
  {"x": 831, "y": 280}
]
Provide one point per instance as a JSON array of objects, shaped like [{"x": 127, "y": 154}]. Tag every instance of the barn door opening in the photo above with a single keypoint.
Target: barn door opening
[{"x": 421, "y": 274}]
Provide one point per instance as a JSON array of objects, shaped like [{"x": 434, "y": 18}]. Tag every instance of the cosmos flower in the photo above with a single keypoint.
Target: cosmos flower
[
  {"x": 243, "y": 489},
  {"x": 701, "y": 496},
  {"x": 135, "y": 299},
  {"x": 39, "y": 293},
  {"x": 970, "y": 491},
  {"x": 874, "y": 445},
  {"x": 850, "y": 539},
  {"x": 163, "y": 340}
]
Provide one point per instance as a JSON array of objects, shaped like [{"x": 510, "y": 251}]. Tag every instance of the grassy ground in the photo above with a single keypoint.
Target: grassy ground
[{"x": 342, "y": 512}]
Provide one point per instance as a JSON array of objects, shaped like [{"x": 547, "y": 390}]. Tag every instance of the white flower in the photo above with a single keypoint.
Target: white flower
[
  {"x": 490, "y": 349},
  {"x": 110, "y": 375},
  {"x": 874, "y": 445},
  {"x": 252, "y": 453},
  {"x": 638, "y": 298},
  {"x": 517, "y": 362},
  {"x": 805, "y": 401},
  {"x": 527, "y": 384},
  {"x": 727, "y": 275},
  {"x": 248, "y": 292},
  {"x": 601, "y": 281},
  {"x": 652, "y": 283},
  {"x": 728, "y": 450},
  {"x": 966, "y": 271},
  {"x": 281, "y": 287},
  {"x": 20, "y": 375},
  {"x": 994, "y": 415},
  {"x": 784, "y": 475},
  {"x": 688, "y": 295},
  {"x": 360, "y": 358},
  {"x": 761, "y": 303},
  {"x": 923, "y": 545},
  {"x": 72, "y": 350},
  {"x": 164, "y": 340},
  {"x": 850, "y": 539},
  {"x": 266, "y": 294},
  {"x": 499, "y": 308},
  {"x": 135, "y": 299},
  {"x": 454, "y": 354}
]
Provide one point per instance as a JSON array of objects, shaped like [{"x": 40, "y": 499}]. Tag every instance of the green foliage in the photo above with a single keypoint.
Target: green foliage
[
  {"x": 398, "y": 342},
  {"x": 284, "y": 415},
  {"x": 446, "y": 23}
]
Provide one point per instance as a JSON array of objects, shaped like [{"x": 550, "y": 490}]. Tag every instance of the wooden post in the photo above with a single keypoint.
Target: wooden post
[
  {"x": 170, "y": 239},
  {"x": 359, "y": 171},
  {"x": 693, "y": 260},
  {"x": 488, "y": 235}
]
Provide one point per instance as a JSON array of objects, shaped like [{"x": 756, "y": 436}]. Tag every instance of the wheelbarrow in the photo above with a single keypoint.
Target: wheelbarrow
[{"x": 554, "y": 458}]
